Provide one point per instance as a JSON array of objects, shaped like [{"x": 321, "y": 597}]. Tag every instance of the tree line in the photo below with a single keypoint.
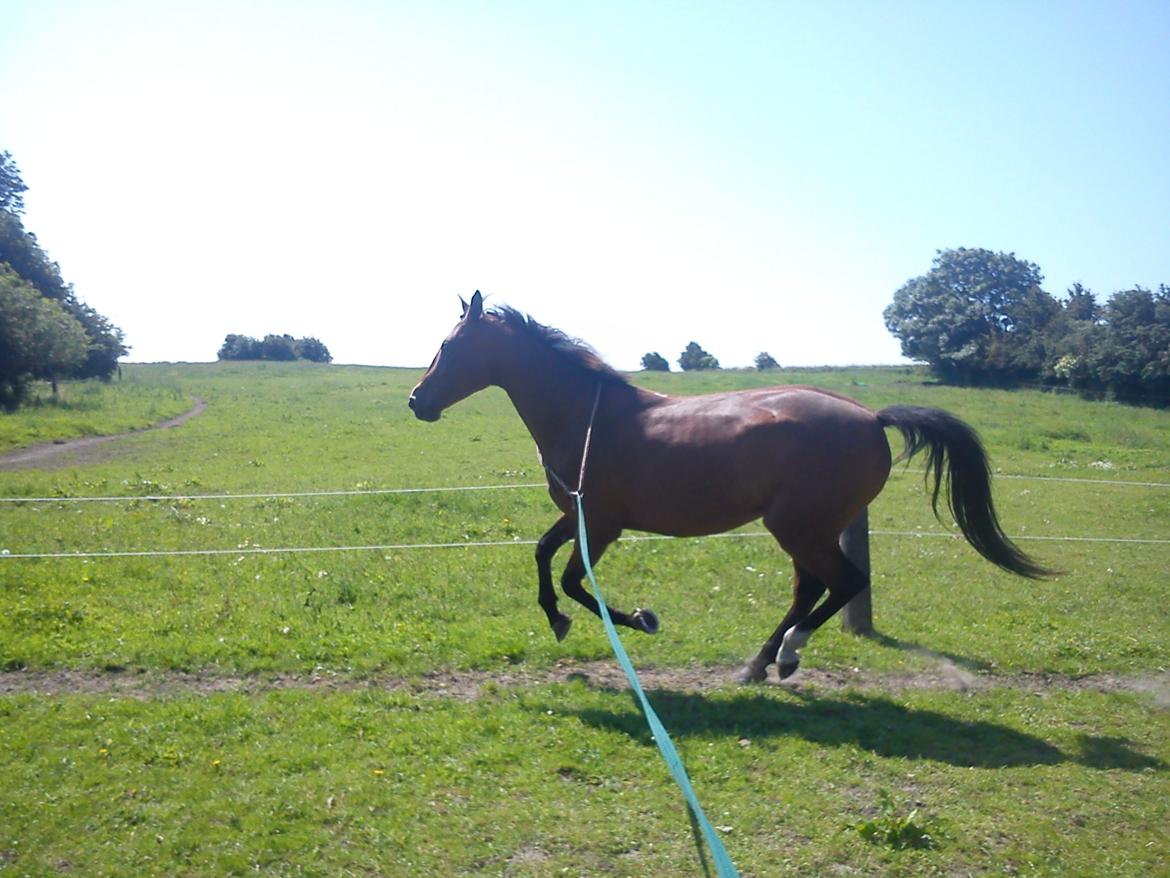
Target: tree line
[
  {"x": 274, "y": 347},
  {"x": 980, "y": 317},
  {"x": 983, "y": 318},
  {"x": 46, "y": 332},
  {"x": 694, "y": 358}
]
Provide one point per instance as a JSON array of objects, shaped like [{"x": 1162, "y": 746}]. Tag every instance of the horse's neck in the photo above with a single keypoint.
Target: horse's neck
[{"x": 555, "y": 404}]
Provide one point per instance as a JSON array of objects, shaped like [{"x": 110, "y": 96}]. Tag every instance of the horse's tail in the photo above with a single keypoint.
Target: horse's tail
[{"x": 956, "y": 458}]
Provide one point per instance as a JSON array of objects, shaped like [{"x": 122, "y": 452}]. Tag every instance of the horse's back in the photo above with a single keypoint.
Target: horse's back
[
  {"x": 791, "y": 415},
  {"x": 708, "y": 463}
]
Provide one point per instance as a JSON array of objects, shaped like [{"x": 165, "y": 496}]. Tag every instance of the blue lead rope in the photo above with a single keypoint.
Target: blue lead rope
[{"x": 723, "y": 864}]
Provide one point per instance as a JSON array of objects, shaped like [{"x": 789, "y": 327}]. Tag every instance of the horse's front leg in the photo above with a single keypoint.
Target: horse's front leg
[
  {"x": 546, "y": 548},
  {"x": 571, "y": 583}
]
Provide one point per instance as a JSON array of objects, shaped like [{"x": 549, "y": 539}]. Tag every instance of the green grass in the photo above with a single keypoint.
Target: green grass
[
  {"x": 409, "y": 611},
  {"x": 93, "y": 408},
  {"x": 542, "y": 779},
  {"x": 550, "y": 780}
]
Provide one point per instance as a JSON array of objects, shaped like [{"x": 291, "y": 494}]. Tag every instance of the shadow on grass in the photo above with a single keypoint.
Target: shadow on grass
[
  {"x": 961, "y": 661},
  {"x": 1106, "y": 752},
  {"x": 872, "y": 723}
]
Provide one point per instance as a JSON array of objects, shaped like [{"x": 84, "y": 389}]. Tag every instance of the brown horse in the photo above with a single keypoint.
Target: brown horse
[{"x": 805, "y": 460}]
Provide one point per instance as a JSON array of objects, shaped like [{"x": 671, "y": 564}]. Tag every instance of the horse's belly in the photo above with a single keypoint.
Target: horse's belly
[{"x": 694, "y": 500}]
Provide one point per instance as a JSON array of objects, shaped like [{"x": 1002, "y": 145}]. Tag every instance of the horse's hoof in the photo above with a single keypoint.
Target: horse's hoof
[
  {"x": 561, "y": 627},
  {"x": 787, "y": 669},
  {"x": 646, "y": 620},
  {"x": 751, "y": 673}
]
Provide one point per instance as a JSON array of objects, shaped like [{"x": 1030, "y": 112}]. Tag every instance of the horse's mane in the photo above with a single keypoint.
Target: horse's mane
[{"x": 574, "y": 351}]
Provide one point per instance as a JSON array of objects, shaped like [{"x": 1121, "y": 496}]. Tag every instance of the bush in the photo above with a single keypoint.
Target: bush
[
  {"x": 314, "y": 350},
  {"x": 38, "y": 339},
  {"x": 695, "y": 358},
  {"x": 655, "y": 362},
  {"x": 283, "y": 348},
  {"x": 765, "y": 361}
]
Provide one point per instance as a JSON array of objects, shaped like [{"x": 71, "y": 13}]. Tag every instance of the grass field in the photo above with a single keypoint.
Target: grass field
[{"x": 340, "y": 772}]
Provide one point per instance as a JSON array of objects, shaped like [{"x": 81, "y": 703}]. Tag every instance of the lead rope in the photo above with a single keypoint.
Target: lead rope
[{"x": 723, "y": 865}]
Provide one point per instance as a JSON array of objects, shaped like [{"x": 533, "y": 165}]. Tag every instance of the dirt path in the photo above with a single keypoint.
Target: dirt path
[
  {"x": 86, "y": 450},
  {"x": 471, "y": 685}
]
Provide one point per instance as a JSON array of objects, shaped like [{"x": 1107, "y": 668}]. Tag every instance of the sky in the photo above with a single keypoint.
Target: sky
[{"x": 753, "y": 176}]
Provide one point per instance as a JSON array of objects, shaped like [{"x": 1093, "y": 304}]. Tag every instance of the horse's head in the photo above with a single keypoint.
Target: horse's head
[{"x": 459, "y": 369}]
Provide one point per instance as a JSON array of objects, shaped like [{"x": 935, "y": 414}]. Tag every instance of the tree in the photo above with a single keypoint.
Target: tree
[
  {"x": 278, "y": 347},
  {"x": 655, "y": 362},
  {"x": 239, "y": 347},
  {"x": 12, "y": 188},
  {"x": 979, "y": 316},
  {"x": 274, "y": 347},
  {"x": 1080, "y": 304},
  {"x": 1022, "y": 351},
  {"x": 1072, "y": 333},
  {"x": 765, "y": 361},
  {"x": 694, "y": 358},
  {"x": 21, "y": 252},
  {"x": 975, "y": 316},
  {"x": 106, "y": 342},
  {"x": 38, "y": 339},
  {"x": 313, "y": 350},
  {"x": 1130, "y": 354}
]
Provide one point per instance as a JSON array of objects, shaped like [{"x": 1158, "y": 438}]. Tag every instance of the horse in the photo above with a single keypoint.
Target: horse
[{"x": 806, "y": 461}]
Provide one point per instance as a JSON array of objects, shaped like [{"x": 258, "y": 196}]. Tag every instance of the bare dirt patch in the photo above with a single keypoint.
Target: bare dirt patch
[
  {"x": 471, "y": 685},
  {"x": 88, "y": 449}
]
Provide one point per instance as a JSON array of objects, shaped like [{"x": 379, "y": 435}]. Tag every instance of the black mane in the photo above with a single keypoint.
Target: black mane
[{"x": 577, "y": 352}]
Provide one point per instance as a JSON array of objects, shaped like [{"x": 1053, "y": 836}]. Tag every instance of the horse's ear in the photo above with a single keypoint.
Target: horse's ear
[
  {"x": 464, "y": 304},
  {"x": 475, "y": 310}
]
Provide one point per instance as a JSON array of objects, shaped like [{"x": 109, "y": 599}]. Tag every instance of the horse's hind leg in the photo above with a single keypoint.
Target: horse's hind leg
[
  {"x": 556, "y": 536},
  {"x": 806, "y": 591},
  {"x": 844, "y": 581}
]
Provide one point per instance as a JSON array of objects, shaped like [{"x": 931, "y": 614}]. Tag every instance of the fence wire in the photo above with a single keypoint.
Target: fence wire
[
  {"x": 244, "y": 551},
  {"x": 361, "y": 492}
]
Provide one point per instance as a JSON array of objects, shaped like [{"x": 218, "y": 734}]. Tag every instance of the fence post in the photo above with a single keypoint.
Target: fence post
[{"x": 857, "y": 616}]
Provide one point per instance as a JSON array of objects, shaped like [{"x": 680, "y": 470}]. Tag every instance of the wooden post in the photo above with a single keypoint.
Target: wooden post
[{"x": 857, "y": 616}]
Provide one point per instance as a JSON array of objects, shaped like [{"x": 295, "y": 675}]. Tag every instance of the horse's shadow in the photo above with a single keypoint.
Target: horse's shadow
[
  {"x": 873, "y": 723},
  {"x": 967, "y": 663}
]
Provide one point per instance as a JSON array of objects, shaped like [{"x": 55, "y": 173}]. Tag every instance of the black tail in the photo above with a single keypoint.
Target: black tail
[{"x": 955, "y": 456}]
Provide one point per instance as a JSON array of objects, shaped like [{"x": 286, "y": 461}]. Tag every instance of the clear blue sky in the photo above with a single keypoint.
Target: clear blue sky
[{"x": 752, "y": 176}]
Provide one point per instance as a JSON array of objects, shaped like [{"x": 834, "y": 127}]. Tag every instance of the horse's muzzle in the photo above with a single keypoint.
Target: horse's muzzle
[{"x": 422, "y": 412}]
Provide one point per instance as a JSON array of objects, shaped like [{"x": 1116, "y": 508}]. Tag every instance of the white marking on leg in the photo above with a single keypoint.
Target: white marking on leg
[{"x": 794, "y": 639}]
